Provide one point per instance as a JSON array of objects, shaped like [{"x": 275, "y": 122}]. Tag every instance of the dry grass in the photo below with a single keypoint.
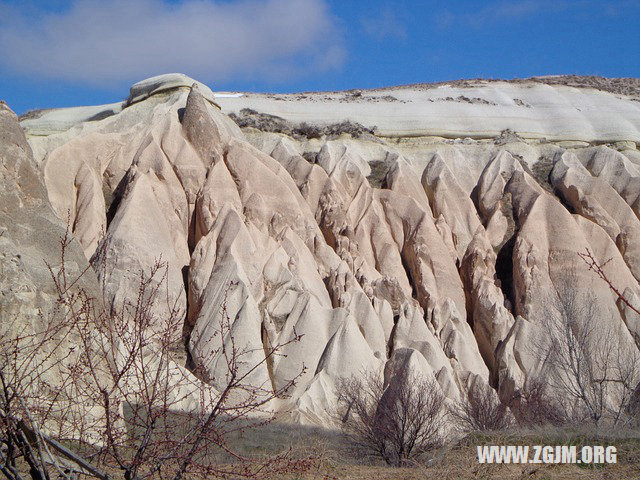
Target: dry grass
[
  {"x": 460, "y": 462},
  {"x": 468, "y": 471},
  {"x": 454, "y": 462}
]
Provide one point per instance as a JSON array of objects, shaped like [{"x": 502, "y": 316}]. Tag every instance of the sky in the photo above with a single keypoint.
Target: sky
[{"x": 61, "y": 53}]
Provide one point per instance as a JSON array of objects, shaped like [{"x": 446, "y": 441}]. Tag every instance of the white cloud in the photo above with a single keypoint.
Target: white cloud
[
  {"x": 384, "y": 24},
  {"x": 101, "y": 42},
  {"x": 519, "y": 10},
  {"x": 506, "y": 10},
  {"x": 501, "y": 11}
]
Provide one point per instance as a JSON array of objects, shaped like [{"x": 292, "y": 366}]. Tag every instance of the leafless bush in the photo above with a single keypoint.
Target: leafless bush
[
  {"x": 307, "y": 131},
  {"x": 354, "y": 129},
  {"x": 585, "y": 358},
  {"x": 507, "y": 136},
  {"x": 534, "y": 406},
  {"x": 248, "y": 118},
  {"x": 396, "y": 422},
  {"x": 628, "y": 369},
  {"x": 260, "y": 121},
  {"x": 107, "y": 382},
  {"x": 36, "y": 377},
  {"x": 481, "y": 411},
  {"x": 598, "y": 269}
]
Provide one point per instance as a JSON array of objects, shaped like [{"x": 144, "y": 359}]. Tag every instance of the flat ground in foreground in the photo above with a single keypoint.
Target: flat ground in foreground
[
  {"x": 460, "y": 461},
  {"x": 472, "y": 471}
]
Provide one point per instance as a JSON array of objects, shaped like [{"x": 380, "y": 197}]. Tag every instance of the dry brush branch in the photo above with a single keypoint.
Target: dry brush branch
[
  {"x": 396, "y": 422},
  {"x": 105, "y": 380},
  {"x": 594, "y": 266}
]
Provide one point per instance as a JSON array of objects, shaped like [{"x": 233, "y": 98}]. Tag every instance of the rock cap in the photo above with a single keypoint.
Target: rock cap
[{"x": 168, "y": 81}]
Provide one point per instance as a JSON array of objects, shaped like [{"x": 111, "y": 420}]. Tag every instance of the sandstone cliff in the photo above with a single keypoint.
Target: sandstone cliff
[{"x": 428, "y": 226}]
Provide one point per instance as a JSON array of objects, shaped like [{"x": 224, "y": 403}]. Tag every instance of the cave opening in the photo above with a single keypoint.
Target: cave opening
[{"x": 504, "y": 269}]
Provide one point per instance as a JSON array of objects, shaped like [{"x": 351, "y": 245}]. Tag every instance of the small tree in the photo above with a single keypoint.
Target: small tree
[
  {"x": 627, "y": 360},
  {"x": 594, "y": 266},
  {"x": 36, "y": 378},
  {"x": 395, "y": 422},
  {"x": 481, "y": 411},
  {"x": 586, "y": 363},
  {"x": 107, "y": 382},
  {"x": 533, "y": 406}
]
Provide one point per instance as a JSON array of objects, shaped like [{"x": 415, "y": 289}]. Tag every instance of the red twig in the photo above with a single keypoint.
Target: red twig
[{"x": 594, "y": 266}]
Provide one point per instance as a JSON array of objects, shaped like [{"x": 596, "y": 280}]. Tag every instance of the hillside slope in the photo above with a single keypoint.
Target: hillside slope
[{"x": 432, "y": 227}]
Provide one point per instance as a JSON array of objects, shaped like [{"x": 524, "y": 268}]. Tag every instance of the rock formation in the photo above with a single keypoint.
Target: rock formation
[{"x": 448, "y": 268}]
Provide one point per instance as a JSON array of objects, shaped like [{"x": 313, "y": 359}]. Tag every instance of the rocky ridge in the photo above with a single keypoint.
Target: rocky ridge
[{"x": 396, "y": 246}]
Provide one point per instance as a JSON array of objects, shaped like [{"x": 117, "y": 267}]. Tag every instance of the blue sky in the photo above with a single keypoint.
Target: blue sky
[{"x": 82, "y": 52}]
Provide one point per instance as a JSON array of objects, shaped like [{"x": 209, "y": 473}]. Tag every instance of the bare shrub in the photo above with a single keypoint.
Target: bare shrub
[
  {"x": 507, "y": 136},
  {"x": 248, "y": 118},
  {"x": 534, "y": 406},
  {"x": 628, "y": 369},
  {"x": 395, "y": 422},
  {"x": 37, "y": 362},
  {"x": 354, "y": 129},
  {"x": 106, "y": 382},
  {"x": 307, "y": 131},
  {"x": 260, "y": 121},
  {"x": 594, "y": 373},
  {"x": 594, "y": 266},
  {"x": 481, "y": 411}
]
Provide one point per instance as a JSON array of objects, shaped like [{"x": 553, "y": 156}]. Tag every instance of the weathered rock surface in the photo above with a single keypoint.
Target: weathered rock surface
[
  {"x": 448, "y": 270},
  {"x": 30, "y": 233},
  {"x": 471, "y": 109},
  {"x": 31, "y": 236},
  {"x": 30, "y": 256}
]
